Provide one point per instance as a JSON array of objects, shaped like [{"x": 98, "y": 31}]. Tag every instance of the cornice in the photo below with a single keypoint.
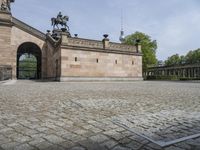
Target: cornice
[
  {"x": 100, "y": 50},
  {"x": 25, "y": 27}
]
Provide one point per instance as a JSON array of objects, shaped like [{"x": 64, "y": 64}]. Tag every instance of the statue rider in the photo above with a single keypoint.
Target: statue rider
[{"x": 59, "y": 17}]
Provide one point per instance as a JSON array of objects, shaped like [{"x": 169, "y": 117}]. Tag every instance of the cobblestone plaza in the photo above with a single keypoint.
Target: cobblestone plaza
[{"x": 100, "y": 115}]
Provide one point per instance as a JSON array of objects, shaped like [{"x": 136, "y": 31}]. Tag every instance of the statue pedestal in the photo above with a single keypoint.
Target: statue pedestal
[
  {"x": 64, "y": 38},
  {"x": 64, "y": 30},
  {"x": 59, "y": 32},
  {"x": 5, "y": 18},
  {"x": 62, "y": 34}
]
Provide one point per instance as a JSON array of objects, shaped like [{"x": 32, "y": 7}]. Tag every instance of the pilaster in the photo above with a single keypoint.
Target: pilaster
[{"x": 6, "y": 55}]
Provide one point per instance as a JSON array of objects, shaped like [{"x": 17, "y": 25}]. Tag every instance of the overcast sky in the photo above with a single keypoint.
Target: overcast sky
[{"x": 175, "y": 24}]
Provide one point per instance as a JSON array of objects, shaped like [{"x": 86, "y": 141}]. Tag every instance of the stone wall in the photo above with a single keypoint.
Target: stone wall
[
  {"x": 77, "y": 63},
  {"x": 5, "y": 40},
  {"x": 79, "y": 42},
  {"x": 5, "y": 72},
  {"x": 53, "y": 61},
  {"x": 5, "y": 46},
  {"x": 85, "y": 58}
]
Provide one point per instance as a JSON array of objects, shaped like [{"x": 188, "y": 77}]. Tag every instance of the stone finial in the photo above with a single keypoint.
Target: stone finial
[
  {"x": 105, "y": 41},
  {"x": 105, "y": 36},
  {"x": 48, "y": 32},
  {"x": 76, "y": 35}
]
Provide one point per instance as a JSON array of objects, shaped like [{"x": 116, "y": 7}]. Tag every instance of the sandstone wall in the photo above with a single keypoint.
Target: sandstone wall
[
  {"x": 5, "y": 39},
  {"x": 53, "y": 62},
  {"x": 5, "y": 46},
  {"x": 99, "y": 64}
]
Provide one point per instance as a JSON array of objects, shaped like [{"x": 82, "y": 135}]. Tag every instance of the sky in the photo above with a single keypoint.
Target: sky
[{"x": 175, "y": 24}]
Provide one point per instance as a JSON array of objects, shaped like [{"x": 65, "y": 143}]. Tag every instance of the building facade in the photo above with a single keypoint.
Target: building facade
[{"x": 63, "y": 57}]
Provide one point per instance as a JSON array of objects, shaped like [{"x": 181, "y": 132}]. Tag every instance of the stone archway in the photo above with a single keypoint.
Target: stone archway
[{"x": 30, "y": 69}]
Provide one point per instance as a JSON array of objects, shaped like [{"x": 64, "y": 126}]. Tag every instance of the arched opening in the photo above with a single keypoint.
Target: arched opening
[{"x": 29, "y": 61}]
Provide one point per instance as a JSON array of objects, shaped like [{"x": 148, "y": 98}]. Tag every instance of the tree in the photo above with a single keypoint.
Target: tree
[
  {"x": 149, "y": 47},
  {"x": 192, "y": 57},
  {"x": 28, "y": 65},
  {"x": 174, "y": 60}
]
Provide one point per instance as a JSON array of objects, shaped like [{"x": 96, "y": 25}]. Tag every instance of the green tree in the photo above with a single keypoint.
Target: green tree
[
  {"x": 174, "y": 60},
  {"x": 182, "y": 60},
  {"x": 149, "y": 47},
  {"x": 193, "y": 57}
]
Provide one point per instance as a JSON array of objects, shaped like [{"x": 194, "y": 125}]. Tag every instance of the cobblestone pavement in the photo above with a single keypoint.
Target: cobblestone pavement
[{"x": 83, "y": 116}]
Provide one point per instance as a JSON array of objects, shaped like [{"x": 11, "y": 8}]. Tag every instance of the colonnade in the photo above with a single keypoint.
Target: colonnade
[{"x": 185, "y": 71}]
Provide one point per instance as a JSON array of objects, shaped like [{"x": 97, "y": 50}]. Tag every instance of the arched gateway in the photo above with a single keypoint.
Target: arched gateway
[{"x": 29, "y": 61}]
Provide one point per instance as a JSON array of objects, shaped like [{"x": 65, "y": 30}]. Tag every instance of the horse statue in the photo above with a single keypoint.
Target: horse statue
[{"x": 60, "y": 20}]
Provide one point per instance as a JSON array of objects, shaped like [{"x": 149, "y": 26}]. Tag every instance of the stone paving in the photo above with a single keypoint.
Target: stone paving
[{"x": 82, "y": 115}]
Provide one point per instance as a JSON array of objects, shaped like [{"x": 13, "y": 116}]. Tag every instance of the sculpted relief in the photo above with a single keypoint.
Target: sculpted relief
[{"x": 5, "y": 4}]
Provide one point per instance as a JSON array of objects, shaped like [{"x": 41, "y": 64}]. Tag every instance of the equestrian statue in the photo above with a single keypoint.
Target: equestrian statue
[{"x": 60, "y": 20}]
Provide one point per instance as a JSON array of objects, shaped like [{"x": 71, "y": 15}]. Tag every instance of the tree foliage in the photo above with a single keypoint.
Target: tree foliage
[
  {"x": 192, "y": 57},
  {"x": 173, "y": 60},
  {"x": 149, "y": 47},
  {"x": 28, "y": 66}
]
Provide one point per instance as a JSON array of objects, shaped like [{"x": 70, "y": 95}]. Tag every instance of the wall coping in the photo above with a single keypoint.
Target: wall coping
[
  {"x": 27, "y": 28},
  {"x": 97, "y": 46}
]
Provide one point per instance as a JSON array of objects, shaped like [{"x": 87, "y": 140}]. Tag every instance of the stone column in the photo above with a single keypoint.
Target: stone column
[
  {"x": 186, "y": 72},
  {"x": 105, "y": 41},
  {"x": 7, "y": 57},
  {"x": 189, "y": 72},
  {"x": 183, "y": 72},
  {"x": 194, "y": 72},
  {"x": 198, "y": 73}
]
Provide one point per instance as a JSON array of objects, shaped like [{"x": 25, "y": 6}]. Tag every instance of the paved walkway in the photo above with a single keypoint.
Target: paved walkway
[{"x": 100, "y": 116}]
